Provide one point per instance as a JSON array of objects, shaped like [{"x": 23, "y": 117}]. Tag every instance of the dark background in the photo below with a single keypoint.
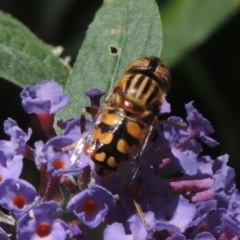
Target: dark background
[{"x": 216, "y": 60}]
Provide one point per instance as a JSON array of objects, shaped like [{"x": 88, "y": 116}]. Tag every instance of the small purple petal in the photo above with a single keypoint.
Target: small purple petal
[
  {"x": 186, "y": 155},
  {"x": 178, "y": 213},
  {"x": 177, "y": 236},
  {"x": 40, "y": 159},
  {"x": 73, "y": 130},
  {"x": 209, "y": 141},
  {"x": 63, "y": 124},
  {"x": 165, "y": 108},
  {"x": 7, "y": 152},
  {"x": 205, "y": 236},
  {"x": 203, "y": 209},
  {"x": 139, "y": 231},
  {"x": 12, "y": 169},
  {"x": 116, "y": 229},
  {"x": 75, "y": 231},
  {"x": 223, "y": 175},
  {"x": 232, "y": 217},
  {"x": 199, "y": 126}
]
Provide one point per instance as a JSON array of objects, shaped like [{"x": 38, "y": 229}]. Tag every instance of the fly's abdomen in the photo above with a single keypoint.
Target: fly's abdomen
[{"x": 117, "y": 139}]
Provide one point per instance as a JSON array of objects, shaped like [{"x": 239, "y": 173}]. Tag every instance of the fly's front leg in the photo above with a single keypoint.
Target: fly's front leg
[
  {"x": 69, "y": 147},
  {"x": 161, "y": 122},
  {"x": 83, "y": 121}
]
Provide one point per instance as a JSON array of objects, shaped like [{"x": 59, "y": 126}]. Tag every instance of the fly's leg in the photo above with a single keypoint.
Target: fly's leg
[
  {"x": 140, "y": 213},
  {"x": 178, "y": 124},
  {"x": 69, "y": 147},
  {"x": 83, "y": 121},
  {"x": 92, "y": 110}
]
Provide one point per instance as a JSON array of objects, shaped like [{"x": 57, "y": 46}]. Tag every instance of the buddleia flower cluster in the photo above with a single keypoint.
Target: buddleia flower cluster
[{"x": 182, "y": 194}]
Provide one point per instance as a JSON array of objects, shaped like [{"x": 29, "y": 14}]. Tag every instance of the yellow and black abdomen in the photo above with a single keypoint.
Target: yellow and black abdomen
[{"x": 117, "y": 139}]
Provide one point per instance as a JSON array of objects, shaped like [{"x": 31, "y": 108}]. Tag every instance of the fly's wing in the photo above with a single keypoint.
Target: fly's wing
[
  {"x": 82, "y": 145},
  {"x": 130, "y": 171},
  {"x": 129, "y": 180},
  {"x": 138, "y": 156},
  {"x": 88, "y": 143}
]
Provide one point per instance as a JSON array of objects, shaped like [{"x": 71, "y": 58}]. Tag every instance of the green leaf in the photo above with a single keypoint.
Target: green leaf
[
  {"x": 24, "y": 59},
  {"x": 132, "y": 29},
  {"x": 186, "y": 24}
]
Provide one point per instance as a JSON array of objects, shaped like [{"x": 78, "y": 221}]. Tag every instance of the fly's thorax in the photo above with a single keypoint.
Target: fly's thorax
[
  {"x": 152, "y": 67},
  {"x": 138, "y": 95},
  {"x": 142, "y": 89}
]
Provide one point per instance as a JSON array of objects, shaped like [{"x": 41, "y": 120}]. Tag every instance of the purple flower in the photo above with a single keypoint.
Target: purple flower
[
  {"x": 91, "y": 205},
  {"x": 17, "y": 195},
  {"x": 41, "y": 223},
  {"x": 46, "y": 97}
]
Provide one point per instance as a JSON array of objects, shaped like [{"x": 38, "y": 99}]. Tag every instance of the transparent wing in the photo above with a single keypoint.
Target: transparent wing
[
  {"x": 87, "y": 143},
  {"x": 129, "y": 172}
]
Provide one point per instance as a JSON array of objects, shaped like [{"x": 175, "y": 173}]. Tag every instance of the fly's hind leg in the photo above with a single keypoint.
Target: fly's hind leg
[{"x": 140, "y": 213}]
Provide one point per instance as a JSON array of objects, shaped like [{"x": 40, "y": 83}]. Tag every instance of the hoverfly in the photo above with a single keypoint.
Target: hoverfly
[{"x": 123, "y": 124}]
